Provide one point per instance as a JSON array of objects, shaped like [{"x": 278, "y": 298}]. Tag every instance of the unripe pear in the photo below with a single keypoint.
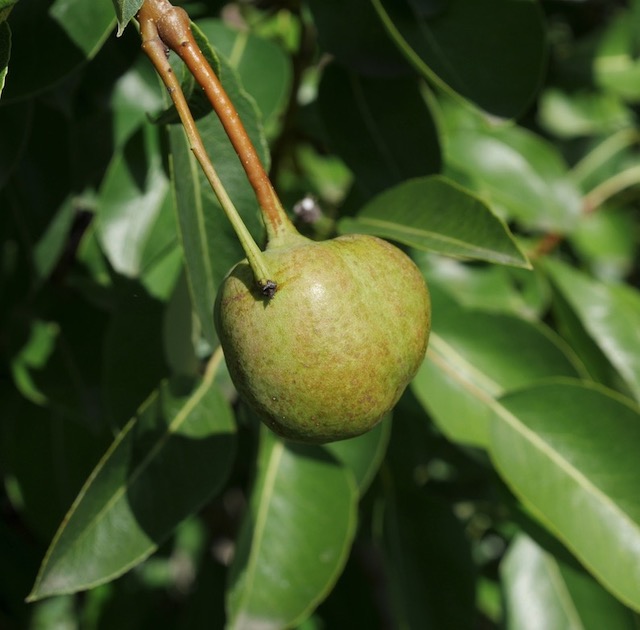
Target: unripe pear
[{"x": 331, "y": 352}]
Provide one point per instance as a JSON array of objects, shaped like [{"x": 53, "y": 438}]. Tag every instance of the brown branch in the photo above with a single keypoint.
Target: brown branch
[{"x": 173, "y": 28}]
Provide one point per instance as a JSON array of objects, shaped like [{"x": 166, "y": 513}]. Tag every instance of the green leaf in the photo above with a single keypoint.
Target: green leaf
[
  {"x": 130, "y": 200},
  {"x": 357, "y": 40},
  {"x": 521, "y": 292},
  {"x": 364, "y": 454},
  {"x": 610, "y": 313},
  {"x": 474, "y": 357},
  {"x": 209, "y": 243},
  {"x": 295, "y": 539},
  {"x": 573, "y": 115},
  {"x": 125, "y": 11},
  {"x": 86, "y": 22},
  {"x": 616, "y": 66},
  {"x": 569, "y": 452},
  {"x": 5, "y": 52},
  {"x": 542, "y": 591},
  {"x": 515, "y": 171},
  {"x": 163, "y": 466},
  {"x": 433, "y": 213},
  {"x": 381, "y": 148},
  {"x": 492, "y": 53}
]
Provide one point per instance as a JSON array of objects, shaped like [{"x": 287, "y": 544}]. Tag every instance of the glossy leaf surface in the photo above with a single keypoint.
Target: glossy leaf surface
[
  {"x": 435, "y": 214},
  {"x": 611, "y": 315},
  {"x": 142, "y": 486},
  {"x": 295, "y": 538},
  {"x": 474, "y": 357},
  {"x": 543, "y": 592},
  {"x": 568, "y": 451}
]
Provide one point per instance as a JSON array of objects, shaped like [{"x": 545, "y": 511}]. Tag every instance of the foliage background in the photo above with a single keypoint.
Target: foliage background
[{"x": 498, "y": 143}]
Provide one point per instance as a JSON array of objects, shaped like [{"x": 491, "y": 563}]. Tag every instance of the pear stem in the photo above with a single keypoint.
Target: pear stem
[
  {"x": 173, "y": 27},
  {"x": 155, "y": 49}
]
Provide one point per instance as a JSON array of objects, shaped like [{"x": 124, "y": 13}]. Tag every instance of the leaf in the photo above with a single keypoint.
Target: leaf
[
  {"x": 357, "y": 40},
  {"x": 86, "y": 22},
  {"x": 142, "y": 488},
  {"x": 435, "y": 214},
  {"x": 515, "y": 171},
  {"x": 426, "y": 554},
  {"x": 473, "y": 358},
  {"x": 360, "y": 116},
  {"x": 609, "y": 313},
  {"x": 208, "y": 241},
  {"x": 521, "y": 292},
  {"x": 134, "y": 358},
  {"x": 543, "y": 592},
  {"x": 492, "y": 53},
  {"x": 428, "y": 563},
  {"x": 15, "y": 127},
  {"x": 568, "y": 450},
  {"x": 68, "y": 31},
  {"x": 5, "y": 52},
  {"x": 364, "y": 454},
  {"x": 125, "y": 10},
  {"x": 295, "y": 538},
  {"x": 130, "y": 200},
  {"x": 616, "y": 66},
  {"x": 568, "y": 115}
]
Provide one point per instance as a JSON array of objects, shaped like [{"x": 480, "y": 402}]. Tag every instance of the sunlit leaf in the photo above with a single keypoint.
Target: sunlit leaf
[
  {"x": 435, "y": 214},
  {"x": 474, "y": 357},
  {"x": 610, "y": 313},
  {"x": 295, "y": 538},
  {"x": 569, "y": 452},
  {"x": 142, "y": 488},
  {"x": 543, "y": 591}
]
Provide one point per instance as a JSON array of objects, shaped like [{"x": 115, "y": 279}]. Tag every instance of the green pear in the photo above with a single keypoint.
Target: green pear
[{"x": 332, "y": 350}]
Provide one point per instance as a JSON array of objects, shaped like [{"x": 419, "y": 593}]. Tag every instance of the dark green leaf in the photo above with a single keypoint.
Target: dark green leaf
[
  {"x": 491, "y": 52},
  {"x": 435, "y": 214},
  {"x": 67, "y": 32},
  {"x": 295, "y": 539},
  {"x": 381, "y": 148},
  {"x": 134, "y": 360},
  {"x": 569, "y": 452},
  {"x": 542, "y": 591},
  {"x": 610, "y": 313},
  {"x": 357, "y": 40},
  {"x": 163, "y": 466}
]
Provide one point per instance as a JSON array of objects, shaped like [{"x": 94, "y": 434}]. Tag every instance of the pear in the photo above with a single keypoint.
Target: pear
[{"x": 327, "y": 354}]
